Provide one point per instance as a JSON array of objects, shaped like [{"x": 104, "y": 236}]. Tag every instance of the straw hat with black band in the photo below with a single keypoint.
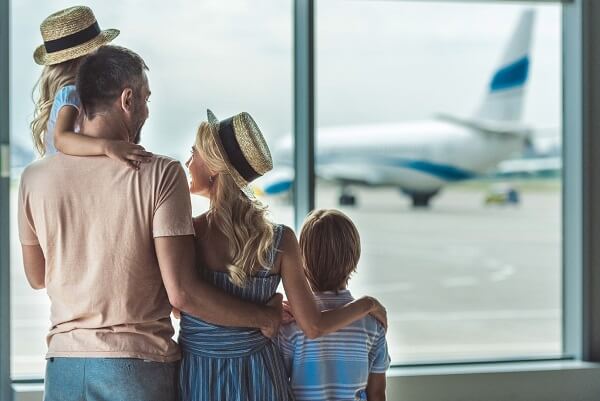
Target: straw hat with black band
[
  {"x": 69, "y": 34},
  {"x": 242, "y": 147}
]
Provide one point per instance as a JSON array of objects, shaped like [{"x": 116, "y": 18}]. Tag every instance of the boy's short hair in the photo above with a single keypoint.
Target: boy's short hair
[{"x": 330, "y": 246}]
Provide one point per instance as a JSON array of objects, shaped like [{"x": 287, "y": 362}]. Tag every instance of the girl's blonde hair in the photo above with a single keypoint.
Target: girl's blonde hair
[
  {"x": 242, "y": 220},
  {"x": 52, "y": 79}
]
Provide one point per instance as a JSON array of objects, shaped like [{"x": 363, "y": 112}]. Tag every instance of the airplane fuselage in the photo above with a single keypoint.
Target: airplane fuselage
[{"x": 419, "y": 156}]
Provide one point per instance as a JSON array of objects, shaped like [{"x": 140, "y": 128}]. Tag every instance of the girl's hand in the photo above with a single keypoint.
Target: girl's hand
[
  {"x": 126, "y": 152},
  {"x": 378, "y": 312}
]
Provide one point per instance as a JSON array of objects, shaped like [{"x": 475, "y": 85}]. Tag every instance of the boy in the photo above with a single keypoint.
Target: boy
[{"x": 349, "y": 364}]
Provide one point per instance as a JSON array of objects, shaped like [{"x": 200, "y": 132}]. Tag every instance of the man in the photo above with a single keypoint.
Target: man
[{"x": 114, "y": 249}]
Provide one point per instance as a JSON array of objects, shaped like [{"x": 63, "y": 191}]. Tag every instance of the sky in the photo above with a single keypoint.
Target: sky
[{"x": 376, "y": 61}]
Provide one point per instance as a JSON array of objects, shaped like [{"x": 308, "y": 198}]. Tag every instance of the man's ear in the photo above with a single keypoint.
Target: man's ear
[{"x": 127, "y": 100}]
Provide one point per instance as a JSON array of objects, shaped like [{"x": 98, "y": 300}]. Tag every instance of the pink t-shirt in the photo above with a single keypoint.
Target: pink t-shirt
[{"x": 95, "y": 220}]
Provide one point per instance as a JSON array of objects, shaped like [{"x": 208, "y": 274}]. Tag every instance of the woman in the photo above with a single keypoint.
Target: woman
[{"x": 240, "y": 251}]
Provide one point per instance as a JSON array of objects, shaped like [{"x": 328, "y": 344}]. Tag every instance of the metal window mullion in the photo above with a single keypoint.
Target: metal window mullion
[
  {"x": 573, "y": 235},
  {"x": 304, "y": 110},
  {"x": 5, "y": 355}
]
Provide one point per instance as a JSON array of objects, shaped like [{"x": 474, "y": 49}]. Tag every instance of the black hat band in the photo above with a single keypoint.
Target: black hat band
[
  {"x": 234, "y": 152},
  {"x": 72, "y": 40}
]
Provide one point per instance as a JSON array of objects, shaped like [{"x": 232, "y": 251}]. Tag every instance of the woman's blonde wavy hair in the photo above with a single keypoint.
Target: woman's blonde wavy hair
[
  {"x": 52, "y": 79},
  {"x": 242, "y": 220}
]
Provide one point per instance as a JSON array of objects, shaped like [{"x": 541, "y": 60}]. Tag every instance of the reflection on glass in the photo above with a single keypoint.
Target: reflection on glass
[{"x": 228, "y": 57}]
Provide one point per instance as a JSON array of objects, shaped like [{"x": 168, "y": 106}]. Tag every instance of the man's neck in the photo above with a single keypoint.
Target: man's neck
[{"x": 104, "y": 126}]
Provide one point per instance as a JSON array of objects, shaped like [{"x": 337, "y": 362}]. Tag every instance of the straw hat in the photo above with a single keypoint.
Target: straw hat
[
  {"x": 70, "y": 33},
  {"x": 242, "y": 147}
]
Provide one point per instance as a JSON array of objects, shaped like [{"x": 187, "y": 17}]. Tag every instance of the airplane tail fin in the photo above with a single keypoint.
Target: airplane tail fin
[{"x": 503, "y": 100}]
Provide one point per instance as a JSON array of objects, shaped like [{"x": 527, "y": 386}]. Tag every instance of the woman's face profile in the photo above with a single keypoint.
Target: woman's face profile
[{"x": 200, "y": 181}]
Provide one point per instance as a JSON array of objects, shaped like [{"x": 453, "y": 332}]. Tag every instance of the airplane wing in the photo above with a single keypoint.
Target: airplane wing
[
  {"x": 529, "y": 167},
  {"x": 497, "y": 128}
]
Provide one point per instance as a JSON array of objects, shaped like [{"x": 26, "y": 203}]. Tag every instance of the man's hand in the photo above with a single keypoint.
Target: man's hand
[
  {"x": 275, "y": 310},
  {"x": 378, "y": 312},
  {"x": 287, "y": 316}
]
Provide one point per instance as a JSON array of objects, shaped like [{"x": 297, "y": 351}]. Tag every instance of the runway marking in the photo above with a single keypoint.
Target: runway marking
[
  {"x": 503, "y": 274},
  {"x": 506, "y": 314},
  {"x": 530, "y": 348}
]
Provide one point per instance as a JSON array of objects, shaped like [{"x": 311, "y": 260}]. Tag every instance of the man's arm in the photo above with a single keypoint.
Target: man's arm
[
  {"x": 376, "y": 387},
  {"x": 188, "y": 293},
  {"x": 35, "y": 266}
]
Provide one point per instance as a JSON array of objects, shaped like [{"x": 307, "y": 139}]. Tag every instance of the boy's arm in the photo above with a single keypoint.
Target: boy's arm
[
  {"x": 190, "y": 294},
  {"x": 376, "y": 387},
  {"x": 379, "y": 361},
  {"x": 71, "y": 143}
]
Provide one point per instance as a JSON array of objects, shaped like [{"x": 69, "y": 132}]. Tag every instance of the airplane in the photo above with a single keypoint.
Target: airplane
[{"x": 421, "y": 157}]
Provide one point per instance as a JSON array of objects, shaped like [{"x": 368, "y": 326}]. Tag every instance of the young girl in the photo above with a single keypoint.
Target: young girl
[
  {"x": 243, "y": 253},
  {"x": 68, "y": 36}
]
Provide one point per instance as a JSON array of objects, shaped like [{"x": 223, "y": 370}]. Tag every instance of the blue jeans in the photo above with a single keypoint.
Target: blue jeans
[{"x": 110, "y": 379}]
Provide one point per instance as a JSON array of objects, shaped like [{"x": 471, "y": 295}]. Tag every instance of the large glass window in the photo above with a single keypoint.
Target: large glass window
[
  {"x": 227, "y": 56},
  {"x": 439, "y": 135}
]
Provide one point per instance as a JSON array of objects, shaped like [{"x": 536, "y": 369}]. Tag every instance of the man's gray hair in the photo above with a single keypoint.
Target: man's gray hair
[{"x": 105, "y": 73}]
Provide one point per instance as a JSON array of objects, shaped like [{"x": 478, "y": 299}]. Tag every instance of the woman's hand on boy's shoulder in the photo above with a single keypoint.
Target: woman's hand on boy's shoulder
[{"x": 379, "y": 312}]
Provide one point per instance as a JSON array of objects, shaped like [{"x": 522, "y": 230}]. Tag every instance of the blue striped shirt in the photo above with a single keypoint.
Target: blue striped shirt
[{"x": 335, "y": 366}]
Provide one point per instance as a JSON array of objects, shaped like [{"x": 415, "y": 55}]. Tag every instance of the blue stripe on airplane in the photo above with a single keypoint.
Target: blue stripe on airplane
[
  {"x": 512, "y": 75},
  {"x": 278, "y": 187},
  {"x": 445, "y": 172},
  {"x": 442, "y": 171}
]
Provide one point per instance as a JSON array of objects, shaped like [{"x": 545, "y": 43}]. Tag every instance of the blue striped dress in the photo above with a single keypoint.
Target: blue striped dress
[{"x": 234, "y": 364}]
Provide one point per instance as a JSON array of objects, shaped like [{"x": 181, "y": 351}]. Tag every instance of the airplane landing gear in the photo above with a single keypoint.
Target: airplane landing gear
[
  {"x": 421, "y": 199},
  {"x": 346, "y": 198}
]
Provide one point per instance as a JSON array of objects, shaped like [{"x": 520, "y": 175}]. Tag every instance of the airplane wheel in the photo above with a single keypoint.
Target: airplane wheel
[
  {"x": 421, "y": 200},
  {"x": 347, "y": 200}
]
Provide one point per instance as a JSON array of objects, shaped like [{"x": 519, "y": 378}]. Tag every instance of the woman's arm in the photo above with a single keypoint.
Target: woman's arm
[
  {"x": 311, "y": 320},
  {"x": 189, "y": 293},
  {"x": 78, "y": 144}
]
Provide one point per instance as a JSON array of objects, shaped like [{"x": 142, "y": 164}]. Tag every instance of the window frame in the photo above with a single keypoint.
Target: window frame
[
  {"x": 574, "y": 294},
  {"x": 5, "y": 349}
]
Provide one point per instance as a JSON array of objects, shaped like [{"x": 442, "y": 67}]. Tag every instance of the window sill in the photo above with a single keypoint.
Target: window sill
[{"x": 515, "y": 381}]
